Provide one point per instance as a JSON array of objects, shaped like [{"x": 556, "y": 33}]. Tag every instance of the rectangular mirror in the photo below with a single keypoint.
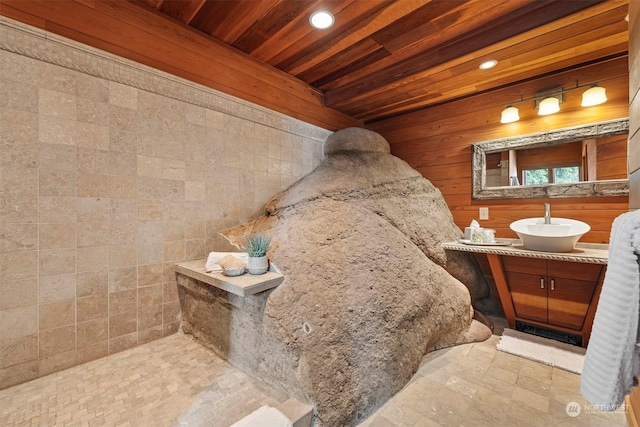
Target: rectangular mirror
[{"x": 582, "y": 161}]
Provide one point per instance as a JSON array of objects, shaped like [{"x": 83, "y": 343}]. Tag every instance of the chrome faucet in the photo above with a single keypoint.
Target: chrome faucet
[{"x": 547, "y": 213}]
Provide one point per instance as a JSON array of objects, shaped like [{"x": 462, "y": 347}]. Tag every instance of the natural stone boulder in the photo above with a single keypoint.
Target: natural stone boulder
[{"x": 368, "y": 290}]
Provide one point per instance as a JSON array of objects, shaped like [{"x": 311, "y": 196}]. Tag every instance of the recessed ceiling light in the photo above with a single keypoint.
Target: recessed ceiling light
[
  {"x": 488, "y": 64},
  {"x": 321, "y": 19}
]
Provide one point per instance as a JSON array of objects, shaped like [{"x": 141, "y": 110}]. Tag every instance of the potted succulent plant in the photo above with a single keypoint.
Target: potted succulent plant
[{"x": 256, "y": 247}]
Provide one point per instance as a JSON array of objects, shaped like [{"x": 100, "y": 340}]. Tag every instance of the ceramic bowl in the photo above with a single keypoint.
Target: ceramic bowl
[{"x": 234, "y": 272}]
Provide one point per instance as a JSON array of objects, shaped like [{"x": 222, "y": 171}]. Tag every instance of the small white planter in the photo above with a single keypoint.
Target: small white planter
[{"x": 258, "y": 265}]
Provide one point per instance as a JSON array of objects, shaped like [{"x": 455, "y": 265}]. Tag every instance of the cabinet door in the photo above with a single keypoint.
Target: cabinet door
[
  {"x": 529, "y": 295},
  {"x": 570, "y": 291}
]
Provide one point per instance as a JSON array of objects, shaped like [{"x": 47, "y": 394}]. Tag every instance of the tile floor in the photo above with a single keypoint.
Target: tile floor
[
  {"x": 173, "y": 381},
  {"x": 177, "y": 382},
  {"x": 475, "y": 385}
]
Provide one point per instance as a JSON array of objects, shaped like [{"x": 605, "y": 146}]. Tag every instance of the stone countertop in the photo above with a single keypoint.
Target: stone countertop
[
  {"x": 590, "y": 253},
  {"x": 244, "y": 285}
]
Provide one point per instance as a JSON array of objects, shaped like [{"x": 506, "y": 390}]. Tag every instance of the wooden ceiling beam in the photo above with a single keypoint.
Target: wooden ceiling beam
[
  {"x": 182, "y": 10},
  {"x": 509, "y": 25}
]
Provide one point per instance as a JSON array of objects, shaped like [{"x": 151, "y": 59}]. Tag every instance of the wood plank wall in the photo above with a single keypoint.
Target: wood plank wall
[
  {"x": 438, "y": 142},
  {"x": 633, "y": 400},
  {"x": 611, "y": 157},
  {"x": 634, "y": 107},
  {"x": 142, "y": 35}
]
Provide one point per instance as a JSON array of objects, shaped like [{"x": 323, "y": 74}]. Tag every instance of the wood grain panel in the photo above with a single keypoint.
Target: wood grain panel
[
  {"x": 182, "y": 10},
  {"x": 458, "y": 75},
  {"x": 327, "y": 59},
  {"x": 495, "y": 263},
  {"x": 271, "y": 23},
  {"x": 573, "y": 270},
  {"x": 506, "y": 26},
  {"x": 349, "y": 21},
  {"x": 591, "y": 312},
  {"x": 437, "y": 141},
  {"x": 558, "y": 156},
  {"x": 611, "y": 157},
  {"x": 566, "y": 287},
  {"x": 533, "y": 266},
  {"x": 569, "y": 300},
  {"x": 633, "y": 414},
  {"x": 529, "y": 295},
  {"x": 473, "y": 118}
]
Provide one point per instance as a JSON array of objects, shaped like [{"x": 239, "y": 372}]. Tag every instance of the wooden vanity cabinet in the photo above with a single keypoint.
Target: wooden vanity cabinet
[
  {"x": 557, "y": 294},
  {"x": 550, "y": 294}
]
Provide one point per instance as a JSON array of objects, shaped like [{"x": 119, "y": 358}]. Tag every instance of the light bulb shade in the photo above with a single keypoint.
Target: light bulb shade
[
  {"x": 548, "y": 106},
  {"x": 594, "y": 96},
  {"x": 488, "y": 64},
  {"x": 510, "y": 115},
  {"x": 321, "y": 19}
]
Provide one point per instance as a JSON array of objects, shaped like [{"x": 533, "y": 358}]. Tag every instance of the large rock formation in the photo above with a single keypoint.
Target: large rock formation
[{"x": 368, "y": 290}]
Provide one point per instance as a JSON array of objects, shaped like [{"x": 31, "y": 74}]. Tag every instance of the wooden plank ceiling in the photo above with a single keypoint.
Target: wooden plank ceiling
[{"x": 383, "y": 57}]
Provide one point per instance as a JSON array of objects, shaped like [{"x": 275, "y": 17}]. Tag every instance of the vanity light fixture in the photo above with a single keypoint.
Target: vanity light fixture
[
  {"x": 548, "y": 106},
  {"x": 548, "y": 102},
  {"x": 510, "y": 115},
  {"x": 596, "y": 95},
  {"x": 488, "y": 64},
  {"x": 321, "y": 19}
]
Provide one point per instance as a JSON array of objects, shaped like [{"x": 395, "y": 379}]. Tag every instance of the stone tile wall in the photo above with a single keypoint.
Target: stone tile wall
[{"x": 110, "y": 173}]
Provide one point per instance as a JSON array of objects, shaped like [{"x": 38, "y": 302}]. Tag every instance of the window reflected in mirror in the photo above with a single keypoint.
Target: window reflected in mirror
[
  {"x": 582, "y": 161},
  {"x": 586, "y": 160}
]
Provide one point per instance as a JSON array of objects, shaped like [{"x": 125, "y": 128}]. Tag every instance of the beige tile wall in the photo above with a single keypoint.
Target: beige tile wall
[{"x": 103, "y": 187}]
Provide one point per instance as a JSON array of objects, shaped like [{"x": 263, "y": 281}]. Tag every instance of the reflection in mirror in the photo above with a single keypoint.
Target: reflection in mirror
[
  {"x": 581, "y": 161},
  {"x": 592, "y": 159}
]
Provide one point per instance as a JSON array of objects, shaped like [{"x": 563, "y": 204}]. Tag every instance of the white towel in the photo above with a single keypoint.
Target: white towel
[
  {"x": 265, "y": 416},
  {"x": 612, "y": 360},
  {"x": 215, "y": 257}
]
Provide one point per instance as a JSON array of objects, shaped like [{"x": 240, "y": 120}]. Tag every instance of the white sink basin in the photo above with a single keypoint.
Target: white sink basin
[{"x": 559, "y": 236}]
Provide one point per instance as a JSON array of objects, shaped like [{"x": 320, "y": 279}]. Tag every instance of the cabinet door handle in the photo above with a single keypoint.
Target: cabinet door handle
[
  {"x": 553, "y": 285},
  {"x": 542, "y": 283}
]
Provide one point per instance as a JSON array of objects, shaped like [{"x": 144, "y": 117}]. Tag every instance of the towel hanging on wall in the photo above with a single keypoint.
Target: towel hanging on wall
[{"x": 612, "y": 361}]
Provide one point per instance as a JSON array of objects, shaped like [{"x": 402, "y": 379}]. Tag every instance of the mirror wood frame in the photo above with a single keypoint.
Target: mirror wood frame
[{"x": 617, "y": 187}]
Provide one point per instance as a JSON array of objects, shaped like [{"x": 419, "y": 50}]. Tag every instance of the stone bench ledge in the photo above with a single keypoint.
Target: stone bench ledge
[{"x": 247, "y": 284}]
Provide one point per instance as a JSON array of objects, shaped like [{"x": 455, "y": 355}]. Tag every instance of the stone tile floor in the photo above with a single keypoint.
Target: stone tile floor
[
  {"x": 177, "y": 382},
  {"x": 173, "y": 381},
  {"x": 475, "y": 385}
]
